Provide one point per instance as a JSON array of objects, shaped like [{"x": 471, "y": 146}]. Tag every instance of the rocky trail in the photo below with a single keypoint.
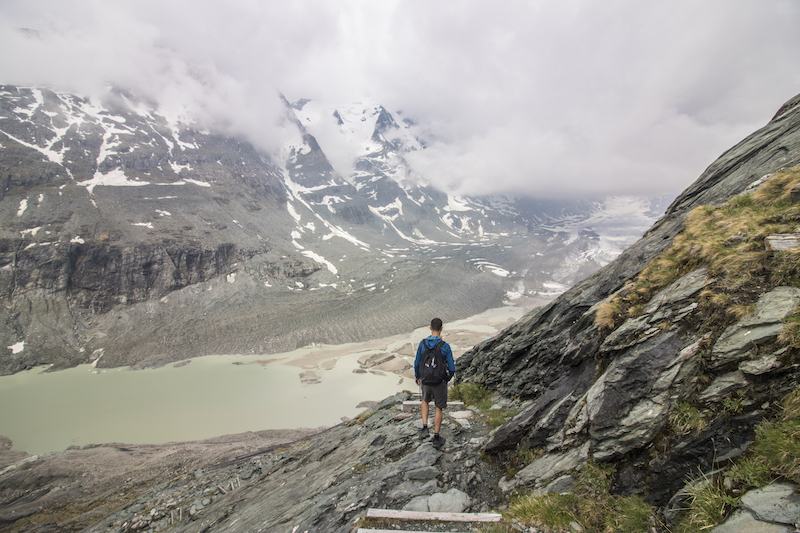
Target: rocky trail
[{"x": 325, "y": 482}]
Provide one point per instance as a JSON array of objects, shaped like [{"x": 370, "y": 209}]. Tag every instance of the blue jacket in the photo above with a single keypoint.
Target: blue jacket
[{"x": 447, "y": 353}]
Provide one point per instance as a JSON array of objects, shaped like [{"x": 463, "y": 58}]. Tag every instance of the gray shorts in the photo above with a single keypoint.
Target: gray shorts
[{"x": 435, "y": 393}]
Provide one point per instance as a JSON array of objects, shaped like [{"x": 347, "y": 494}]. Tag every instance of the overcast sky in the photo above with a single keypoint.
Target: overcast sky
[{"x": 563, "y": 97}]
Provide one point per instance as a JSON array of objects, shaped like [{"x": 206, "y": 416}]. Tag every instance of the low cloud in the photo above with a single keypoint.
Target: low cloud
[{"x": 548, "y": 98}]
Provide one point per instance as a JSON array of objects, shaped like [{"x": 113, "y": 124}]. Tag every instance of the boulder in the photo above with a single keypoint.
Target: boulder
[
  {"x": 778, "y": 502},
  {"x": 782, "y": 241},
  {"x": 452, "y": 501},
  {"x": 764, "y": 325},
  {"x": 417, "y": 503},
  {"x": 546, "y": 468},
  {"x": 744, "y": 522}
]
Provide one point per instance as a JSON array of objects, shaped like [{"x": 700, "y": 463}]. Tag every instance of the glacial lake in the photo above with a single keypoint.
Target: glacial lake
[{"x": 212, "y": 395}]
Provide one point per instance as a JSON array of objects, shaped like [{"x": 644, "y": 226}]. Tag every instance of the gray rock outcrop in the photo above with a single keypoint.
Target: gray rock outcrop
[
  {"x": 773, "y": 509},
  {"x": 614, "y": 391},
  {"x": 740, "y": 339}
]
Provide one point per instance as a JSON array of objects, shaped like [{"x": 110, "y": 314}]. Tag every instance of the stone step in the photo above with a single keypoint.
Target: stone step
[
  {"x": 362, "y": 530},
  {"x": 441, "y": 517},
  {"x": 411, "y": 405}
]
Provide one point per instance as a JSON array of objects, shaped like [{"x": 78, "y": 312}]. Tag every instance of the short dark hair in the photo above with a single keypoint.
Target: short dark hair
[{"x": 436, "y": 324}]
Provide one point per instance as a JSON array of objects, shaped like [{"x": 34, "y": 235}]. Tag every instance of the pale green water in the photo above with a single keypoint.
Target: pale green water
[
  {"x": 211, "y": 396},
  {"x": 44, "y": 412}
]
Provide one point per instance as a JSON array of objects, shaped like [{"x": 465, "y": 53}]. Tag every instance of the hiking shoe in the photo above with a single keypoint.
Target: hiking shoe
[
  {"x": 438, "y": 441},
  {"x": 424, "y": 434}
]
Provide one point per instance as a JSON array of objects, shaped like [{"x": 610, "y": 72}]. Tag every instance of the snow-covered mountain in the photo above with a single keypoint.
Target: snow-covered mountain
[{"x": 128, "y": 237}]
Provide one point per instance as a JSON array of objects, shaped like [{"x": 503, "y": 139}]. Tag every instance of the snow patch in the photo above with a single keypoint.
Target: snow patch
[
  {"x": 17, "y": 348},
  {"x": 115, "y": 178},
  {"x": 319, "y": 259},
  {"x": 457, "y": 203},
  {"x": 23, "y": 205},
  {"x": 176, "y": 168},
  {"x": 32, "y": 231},
  {"x": 295, "y": 215}
]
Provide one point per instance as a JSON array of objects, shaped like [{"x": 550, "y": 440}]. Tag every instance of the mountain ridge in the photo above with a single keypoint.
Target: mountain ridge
[{"x": 128, "y": 239}]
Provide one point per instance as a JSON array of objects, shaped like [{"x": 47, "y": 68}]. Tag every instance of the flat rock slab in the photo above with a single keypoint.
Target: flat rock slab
[
  {"x": 764, "y": 325},
  {"x": 461, "y": 415},
  {"x": 778, "y": 502},
  {"x": 744, "y": 522},
  {"x": 724, "y": 384},
  {"x": 680, "y": 290},
  {"x": 782, "y": 241},
  {"x": 760, "y": 366},
  {"x": 426, "y": 473},
  {"x": 547, "y": 467}
]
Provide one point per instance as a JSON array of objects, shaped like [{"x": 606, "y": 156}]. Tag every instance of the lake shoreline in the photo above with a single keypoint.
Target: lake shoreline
[{"x": 196, "y": 399}]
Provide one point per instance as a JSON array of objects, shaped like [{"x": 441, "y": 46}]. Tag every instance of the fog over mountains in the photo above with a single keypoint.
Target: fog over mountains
[{"x": 132, "y": 237}]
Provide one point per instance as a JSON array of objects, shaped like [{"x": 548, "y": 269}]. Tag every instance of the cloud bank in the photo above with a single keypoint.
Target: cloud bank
[{"x": 569, "y": 98}]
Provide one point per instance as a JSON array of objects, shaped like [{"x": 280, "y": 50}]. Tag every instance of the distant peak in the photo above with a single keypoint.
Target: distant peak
[{"x": 300, "y": 103}]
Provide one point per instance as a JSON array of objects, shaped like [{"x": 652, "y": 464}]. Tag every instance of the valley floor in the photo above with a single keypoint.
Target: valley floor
[{"x": 70, "y": 490}]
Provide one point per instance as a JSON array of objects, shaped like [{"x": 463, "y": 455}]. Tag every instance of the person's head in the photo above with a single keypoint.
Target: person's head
[{"x": 436, "y": 325}]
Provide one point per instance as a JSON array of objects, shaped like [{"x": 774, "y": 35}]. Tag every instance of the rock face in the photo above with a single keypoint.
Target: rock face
[
  {"x": 608, "y": 394},
  {"x": 327, "y": 483}
]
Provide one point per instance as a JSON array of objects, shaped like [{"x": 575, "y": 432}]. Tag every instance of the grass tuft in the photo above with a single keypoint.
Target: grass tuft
[
  {"x": 685, "y": 419},
  {"x": 729, "y": 241},
  {"x": 775, "y": 454},
  {"x": 710, "y": 503},
  {"x": 590, "y": 505}
]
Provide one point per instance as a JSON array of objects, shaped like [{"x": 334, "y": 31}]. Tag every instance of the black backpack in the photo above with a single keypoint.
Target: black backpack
[{"x": 432, "y": 367}]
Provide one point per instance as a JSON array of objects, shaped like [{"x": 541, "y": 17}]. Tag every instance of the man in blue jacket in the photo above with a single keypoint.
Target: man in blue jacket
[{"x": 434, "y": 392}]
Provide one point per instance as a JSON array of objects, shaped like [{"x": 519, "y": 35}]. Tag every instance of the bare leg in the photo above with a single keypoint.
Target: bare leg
[
  {"x": 437, "y": 418},
  {"x": 424, "y": 407}
]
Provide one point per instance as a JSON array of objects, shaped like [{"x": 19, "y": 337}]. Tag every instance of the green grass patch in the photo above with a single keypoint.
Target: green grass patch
[
  {"x": 790, "y": 334},
  {"x": 710, "y": 503},
  {"x": 729, "y": 241},
  {"x": 472, "y": 394},
  {"x": 685, "y": 419},
  {"x": 774, "y": 455},
  {"x": 481, "y": 397},
  {"x": 590, "y": 505}
]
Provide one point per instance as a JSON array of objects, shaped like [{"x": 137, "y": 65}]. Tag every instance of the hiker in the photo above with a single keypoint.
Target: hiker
[{"x": 433, "y": 368}]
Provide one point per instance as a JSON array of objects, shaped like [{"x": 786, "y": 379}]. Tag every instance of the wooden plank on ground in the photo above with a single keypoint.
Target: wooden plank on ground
[
  {"x": 362, "y": 530},
  {"x": 410, "y": 405},
  {"x": 442, "y": 517}
]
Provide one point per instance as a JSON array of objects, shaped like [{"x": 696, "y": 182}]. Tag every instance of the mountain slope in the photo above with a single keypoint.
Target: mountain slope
[
  {"x": 608, "y": 364},
  {"x": 133, "y": 239}
]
